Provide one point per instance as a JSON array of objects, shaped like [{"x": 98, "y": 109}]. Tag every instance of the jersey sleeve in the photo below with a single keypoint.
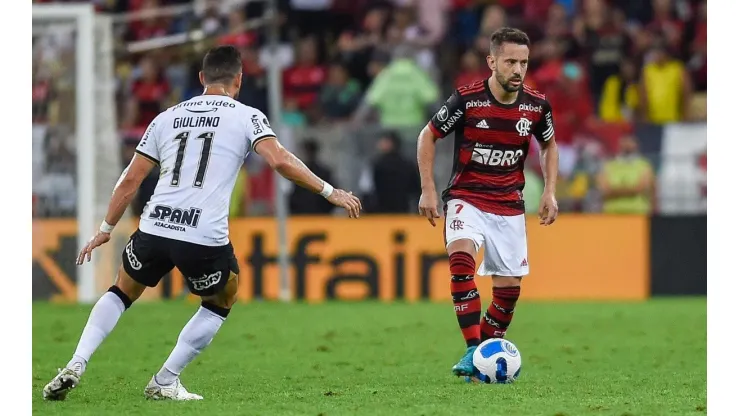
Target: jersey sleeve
[
  {"x": 449, "y": 117},
  {"x": 258, "y": 127},
  {"x": 545, "y": 128},
  {"x": 147, "y": 146}
]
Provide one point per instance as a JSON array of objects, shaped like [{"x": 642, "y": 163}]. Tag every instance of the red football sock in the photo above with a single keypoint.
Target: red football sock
[
  {"x": 499, "y": 314},
  {"x": 465, "y": 296}
]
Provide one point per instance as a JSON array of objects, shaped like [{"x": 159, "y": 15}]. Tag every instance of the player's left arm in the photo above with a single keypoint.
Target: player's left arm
[
  {"x": 549, "y": 160},
  {"x": 144, "y": 160},
  {"x": 127, "y": 186}
]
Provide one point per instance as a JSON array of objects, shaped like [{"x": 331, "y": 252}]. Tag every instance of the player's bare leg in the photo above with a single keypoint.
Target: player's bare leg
[
  {"x": 103, "y": 318},
  {"x": 466, "y": 299},
  {"x": 500, "y": 312},
  {"x": 194, "y": 338}
]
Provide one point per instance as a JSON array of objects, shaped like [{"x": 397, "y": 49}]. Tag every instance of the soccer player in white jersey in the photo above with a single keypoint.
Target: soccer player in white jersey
[{"x": 199, "y": 145}]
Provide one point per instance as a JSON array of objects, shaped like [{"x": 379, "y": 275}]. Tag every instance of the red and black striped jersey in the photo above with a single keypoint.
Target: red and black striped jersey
[{"x": 491, "y": 144}]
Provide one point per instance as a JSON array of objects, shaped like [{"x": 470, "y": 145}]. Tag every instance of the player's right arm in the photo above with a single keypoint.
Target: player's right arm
[
  {"x": 144, "y": 160},
  {"x": 448, "y": 119},
  {"x": 292, "y": 168}
]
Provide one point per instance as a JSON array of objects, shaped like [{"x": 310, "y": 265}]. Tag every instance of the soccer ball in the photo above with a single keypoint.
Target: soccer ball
[{"x": 497, "y": 360}]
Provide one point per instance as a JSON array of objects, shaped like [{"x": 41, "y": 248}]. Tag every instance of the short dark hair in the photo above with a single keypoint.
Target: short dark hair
[
  {"x": 222, "y": 64},
  {"x": 508, "y": 35}
]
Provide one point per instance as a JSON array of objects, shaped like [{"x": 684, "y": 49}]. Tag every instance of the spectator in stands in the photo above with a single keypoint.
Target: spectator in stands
[
  {"x": 601, "y": 49},
  {"x": 377, "y": 64},
  {"x": 621, "y": 96},
  {"x": 493, "y": 19},
  {"x": 311, "y": 17},
  {"x": 346, "y": 14},
  {"x": 465, "y": 23},
  {"x": 60, "y": 157},
  {"x": 303, "y": 201},
  {"x": 149, "y": 27},
  {"x": 432, "y": 19},
  {"x": 292, "y": 115},
  {"x": 395, "y": 178},
  {"x": 665, "y": 87},
  {"x": 573, "y": 113},
  {"x": 642, "y": 42},
  {"x": 340, "y": 95},
  {"x": 254, "y": 80},
  {"x": 44, "y": 99},
  {"x": 665, "y": 24},
  {"x": 402, "y": 93},
  {"x": 558, "y": 24},
  {"x": 604, "y": 42},
  {"x": 236, "y": 34},
  {"x": 149, "y": 93},
  {"x": 626, "y": 182},
  {"x": 357, "y": 48},
  {"x": 303, "y": 81},
  {"x": 697, "y": 63},
  {"x": 548, "y": 55},
  {"x": 211, "y": 20},
  {"x": 472, "y": 69},
  {"x": 177, "y": 75},
  {"x": 405, "y": 29},
  {"x": 578, "y": 192},
  {"x": 482, "y": 44},
  {"x": 638, "y": 11},
  {"x": 697, "y": 67},
  {"x": 702, "y": 162}
]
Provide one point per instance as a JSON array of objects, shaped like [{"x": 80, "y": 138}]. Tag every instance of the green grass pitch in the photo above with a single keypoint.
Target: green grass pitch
[{"x": 330, "y": 359}]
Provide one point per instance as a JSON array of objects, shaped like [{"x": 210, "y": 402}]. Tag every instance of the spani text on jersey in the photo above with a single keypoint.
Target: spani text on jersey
[{"x": 180, "y": 216}]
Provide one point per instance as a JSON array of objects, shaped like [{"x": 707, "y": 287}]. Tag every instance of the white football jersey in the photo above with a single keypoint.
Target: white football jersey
[{"x": 200, "y": 145}]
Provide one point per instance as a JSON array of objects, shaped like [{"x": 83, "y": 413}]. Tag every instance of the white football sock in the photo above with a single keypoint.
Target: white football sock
[
  {"x": 195, "y": 336},
  {"x": 102, "y": 320}
]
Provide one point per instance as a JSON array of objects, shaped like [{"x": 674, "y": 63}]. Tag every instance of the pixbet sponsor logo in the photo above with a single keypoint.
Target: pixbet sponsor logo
[
  {"x": 477, "y": 103},
  {"x": 530, "y": 107}
]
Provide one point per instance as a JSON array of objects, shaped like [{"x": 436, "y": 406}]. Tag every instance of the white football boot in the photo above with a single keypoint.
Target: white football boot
[
  {"x": 59, "y": 386},
  {"x": 174, "y": 391}
]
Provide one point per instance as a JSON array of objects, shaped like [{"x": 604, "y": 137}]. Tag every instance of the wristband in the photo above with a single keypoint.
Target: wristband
[
  {"x": 326, "y": 190},
  {"x": 106, "y": 228}
]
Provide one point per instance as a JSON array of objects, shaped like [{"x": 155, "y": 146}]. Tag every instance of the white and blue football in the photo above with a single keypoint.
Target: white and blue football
[{"x": 497, "y": 360}]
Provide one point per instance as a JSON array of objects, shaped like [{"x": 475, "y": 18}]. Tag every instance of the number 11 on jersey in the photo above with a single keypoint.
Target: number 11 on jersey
[{"x": 205, "y": 154}]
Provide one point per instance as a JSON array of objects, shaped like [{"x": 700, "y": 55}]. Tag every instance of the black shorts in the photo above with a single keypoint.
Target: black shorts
[{"x": 147, "y": 258}]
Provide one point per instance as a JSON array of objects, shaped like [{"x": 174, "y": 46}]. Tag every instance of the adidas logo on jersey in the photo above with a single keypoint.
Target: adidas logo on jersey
[
  {"x": 530, "y": 107},
  {"x": 482, "y": 124},
  {"x": 477, "y": 103}
]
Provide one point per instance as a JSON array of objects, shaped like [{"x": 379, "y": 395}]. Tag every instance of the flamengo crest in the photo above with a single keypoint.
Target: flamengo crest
[{"x": 523, "y": 126}]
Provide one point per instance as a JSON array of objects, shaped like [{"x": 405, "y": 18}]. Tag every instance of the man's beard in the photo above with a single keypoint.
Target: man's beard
[{"x": 505, "y": 83}]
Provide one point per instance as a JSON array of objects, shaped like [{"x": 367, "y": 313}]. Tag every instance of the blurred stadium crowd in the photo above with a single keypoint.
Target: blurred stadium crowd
[{"x": 361, "y": 77}]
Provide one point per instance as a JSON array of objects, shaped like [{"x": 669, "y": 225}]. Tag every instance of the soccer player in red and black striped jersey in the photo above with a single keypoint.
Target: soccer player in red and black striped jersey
[{"x": 493, "y": 121}]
